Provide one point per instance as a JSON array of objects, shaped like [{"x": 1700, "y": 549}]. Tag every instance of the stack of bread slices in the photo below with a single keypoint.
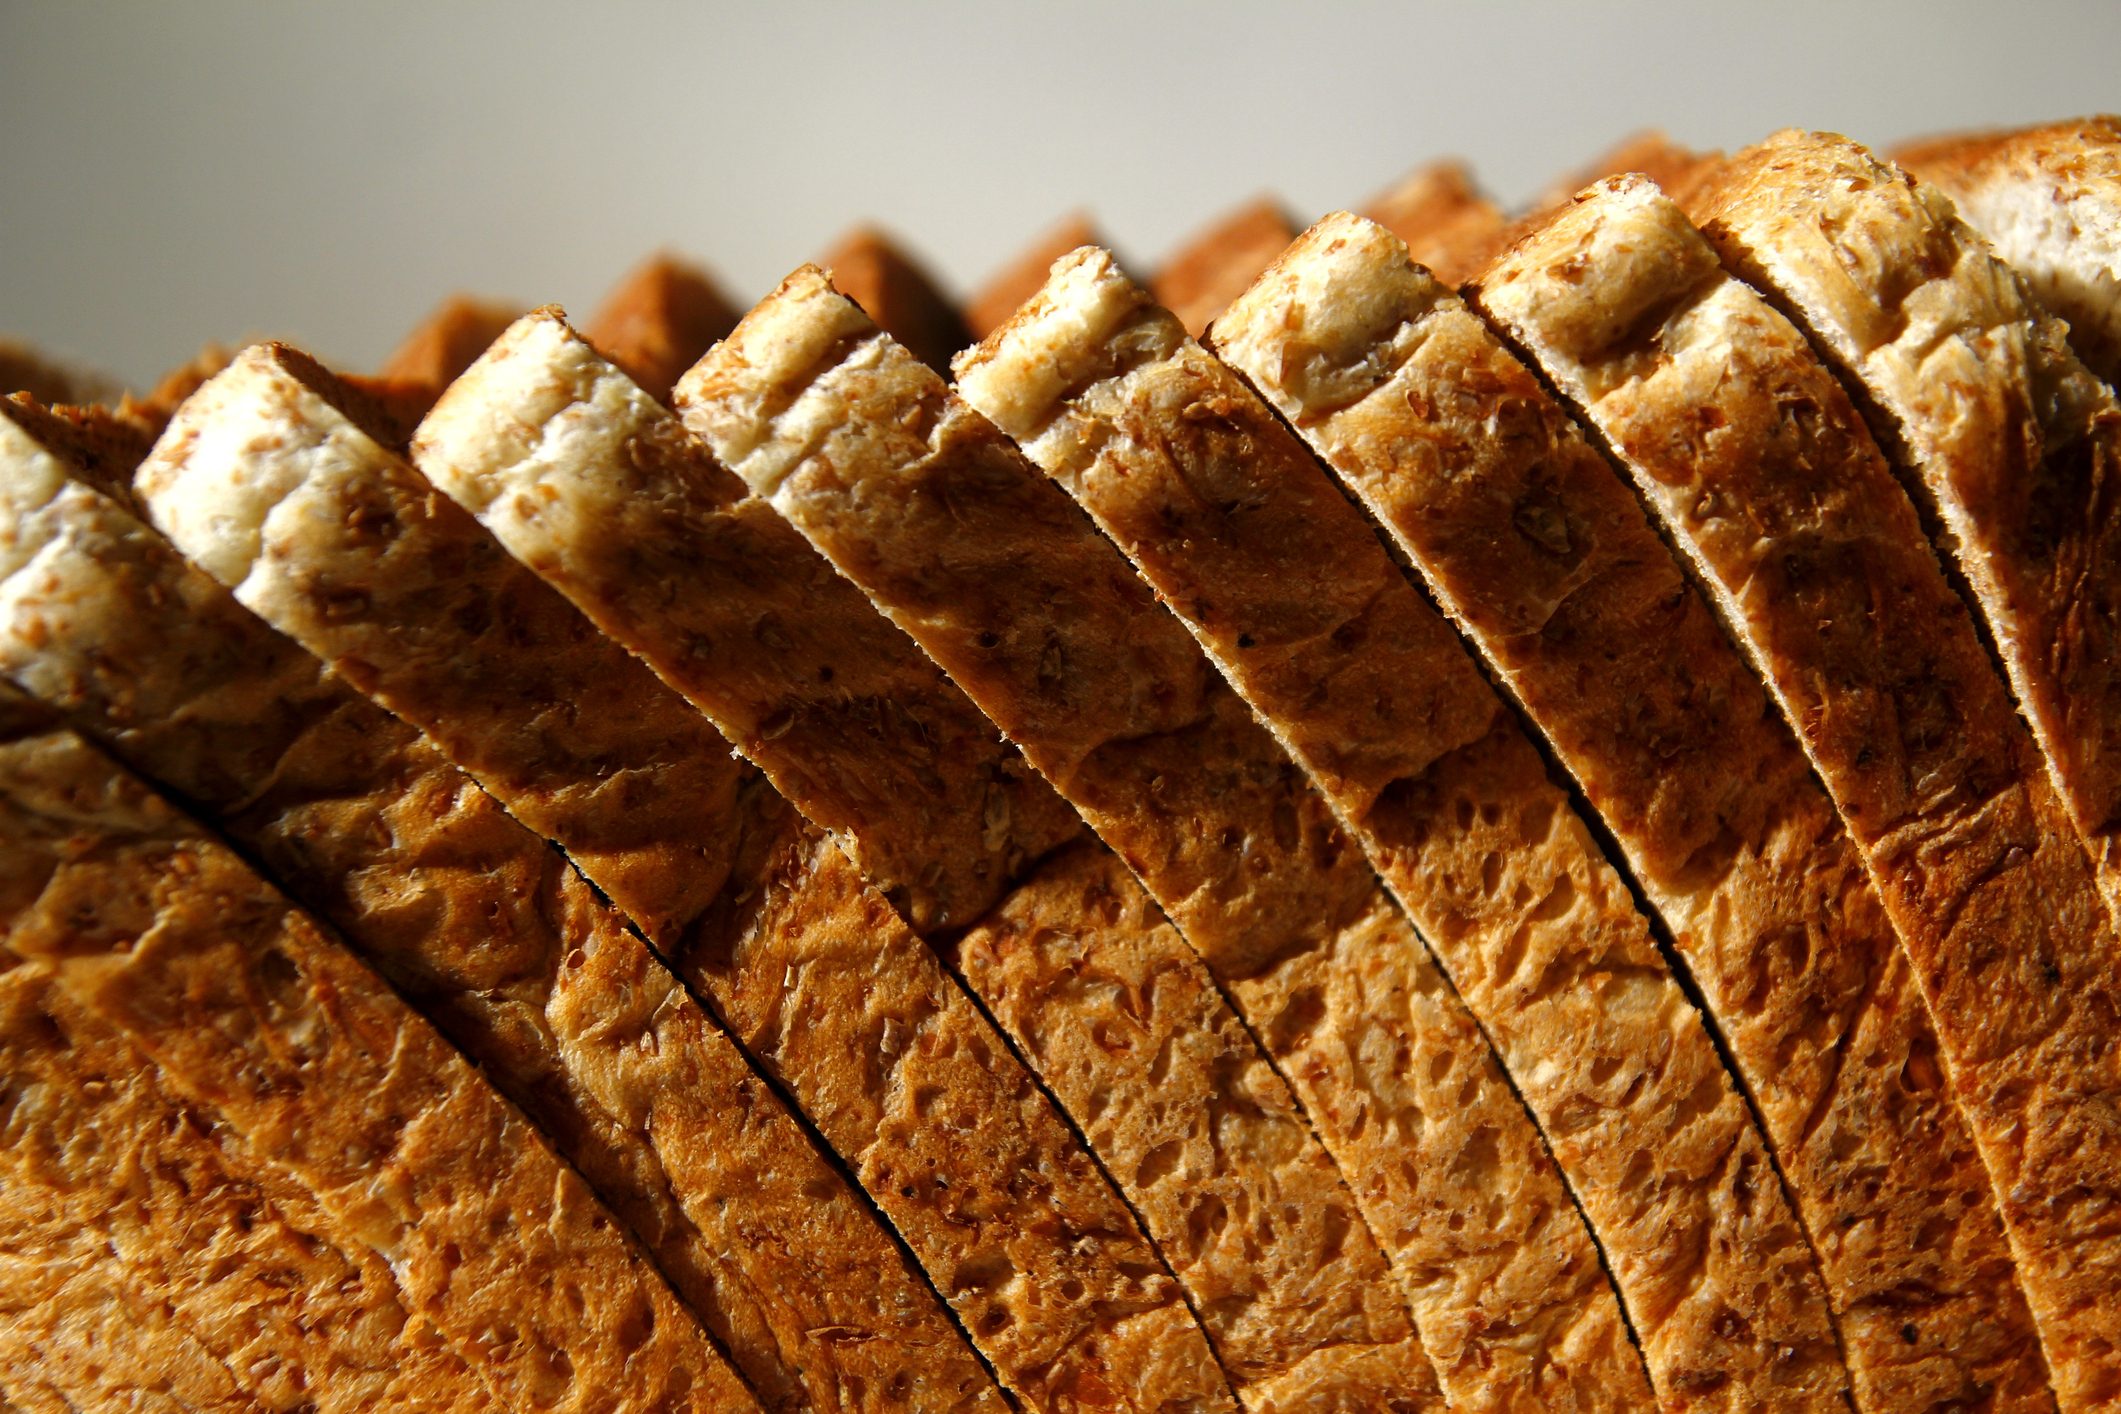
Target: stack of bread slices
[{"x": 1453, "y": 810}]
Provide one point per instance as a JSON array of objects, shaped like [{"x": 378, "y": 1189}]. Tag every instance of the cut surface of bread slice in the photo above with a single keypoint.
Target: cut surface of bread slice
[
  {"x": 1200, "y": 278},
  {"x": 898, "y": 293},
  {"x": 1443, "y": 218},
  {"x": 900, "y": 484},
  {"x": 485, "y": 927},
  {"x": 2010, "y": 444},
  {"x": 896, "y": 1066},
  {"x": 1539, "y": 550},
  {"x": 1289, "y": 593},
  {"x": 2049, "y": 200},
  {"x": 166, "y": 941},
  {"x": 1760, "y": 469},
  {"x": 656, "y": 323},
  {"x": 1113, "y": 1010},
  {"x": 1017, "y": 281}
]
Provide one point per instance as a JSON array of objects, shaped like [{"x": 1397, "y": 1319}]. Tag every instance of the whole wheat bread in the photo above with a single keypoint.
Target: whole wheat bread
[
  {"x": 1199, "y": 279},
  {"x": 1535, "y": 545},
  {"x": 1761, "y": 470},
  {"x": 2008, "y": 442},
  {"x": 486, "y": 928},
  {"x": 251, "y": 1016},
  {"x": 656, "y": 323},
  {"x": 1103, "y": 997},
  {"x": 899, "y": 293},
  {"x": 342, "y": 545},
  {"x": 1442, "y": 216},
  {"x": 898, "y": 483},
  {"x": 1017, "y": 281}
]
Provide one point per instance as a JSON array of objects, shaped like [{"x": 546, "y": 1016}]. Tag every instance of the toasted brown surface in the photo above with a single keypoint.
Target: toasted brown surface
[
  {"x": 923, "y": 502},
  {"x": 1113, "y": 1011},
  {"x": 656, "y": 322},
  {"x": 1288, "y": 592},
  {"x": 1650, "y": 153},
  {"x": 1017, "y": 281},
  {"x": 898, "y": 293},
  {"x": 2011, "y": 446},
  {"x": 48, "y": 380},
  {"x": 2048, "y": 199},
  {"x": 162, "y": 938},
  {"x": 1759, "y": 467},
  {"x": 345, "y": 548},
  {"x": 1447, "y": 222},
  {"x": 1540, "y": 552},
  {"x": 439, "y": 347},
  {"x": 487, "y": 929},
  {"x": 728, "y": 604},
  {"x": 1213, "y": 267}
]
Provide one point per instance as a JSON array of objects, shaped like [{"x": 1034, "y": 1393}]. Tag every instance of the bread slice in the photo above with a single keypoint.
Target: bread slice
[
  {"x": 164, "y": 940},
  {"x": 2049, "y": 200},
  {"x": 1289, "y": 593},
  {"x": 1442, "y": 216},
  {"x": 340, "y": 544},
  {"x": 1200, "y": 278},
  {"x": 1104, "y": 998},
  {"x": 440, "y": 346},
  {"x": 2011, "y": 446},
  {"x": 109, "y": 1184},
  {"x": 1538, "y": 549},
  {"x": 1020, "y": 278},
  {"x": 903, "y": 487},
  {"x": 1760, "y": 468},
  {"x": 656, "y": 323},
  {"x": 482, "y": 925},
  {"x": 1650, "y": 153},
  {"x": 899, "y": 293}
]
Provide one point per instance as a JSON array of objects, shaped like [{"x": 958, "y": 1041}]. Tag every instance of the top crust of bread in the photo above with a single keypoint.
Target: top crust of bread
[
  {"x": 1200, "y": 278},
  {"x": 1223, "y": 510},
  {"x": 440, "y": 346},
  {"x": 1118, "y": 1016},
  {"x": 1443, "y": 218},
  {"x": 2049, "y": 200},
  {"x": 1094, "y": 1303},
  {"x": 1759, "y": 466},
  {"x": 928, "y": 506},
  {"x": 249, "y": 1013},
  {"x": 656, "y": 323},
  {"x": 1538, "y": 548},
  {"x": 2009, "y": 443}
]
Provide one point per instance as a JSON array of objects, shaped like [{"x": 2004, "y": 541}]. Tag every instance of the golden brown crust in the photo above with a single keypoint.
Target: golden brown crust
[
  {"x": 1116, "y": 1015},
  {"x": 1541, "y": 553},
  {"x": 1444, "y": 219},
  {"x": 440, "y": 346},
  {"x": 980, "y": 558},
  {"x": 251, "y": 1016},
  {"x": 898, "y": 293},
  {"x": 1760, "y": 468},
  {"x": 270, "y": 514},
  {"x": 597, "y": 489},
  {"x": 1200, "y": 278},
  {"x": 2049, "y": 200},
  {"x": 489, "y": 931},
  {"x": 1649, "y": 153},
  {"x": 655, "y": 323},
  {"x": 1017, "y": 281},
  {"x": 2012, "y": 446},
  {"x": 1222, "y": 509},
  {"x": 25, "y": 370}
]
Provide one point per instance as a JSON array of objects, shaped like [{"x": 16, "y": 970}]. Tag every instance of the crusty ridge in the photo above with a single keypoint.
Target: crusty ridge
[
  {"x": 1115, "y": 1013},
  {"x": 2013, "y": 446},
  {"x": 1746, "y": 448},
  {"x": 253, "y": 1017},
  {"x": 346, "y": 548},
  {"x": 1539, "y": 550},
  {"x": 1201, "y": 277},
  {"x": 1288, "y": 592},
  {"x": 1442, "y": 216},
  {"x": 484, "y": 926},
  {"x": 884, "y": 471},
  {"x": 2048, "y": 199}
]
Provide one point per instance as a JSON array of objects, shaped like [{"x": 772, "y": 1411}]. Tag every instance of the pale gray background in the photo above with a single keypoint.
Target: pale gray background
[{"x": 179, "y": 172}]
